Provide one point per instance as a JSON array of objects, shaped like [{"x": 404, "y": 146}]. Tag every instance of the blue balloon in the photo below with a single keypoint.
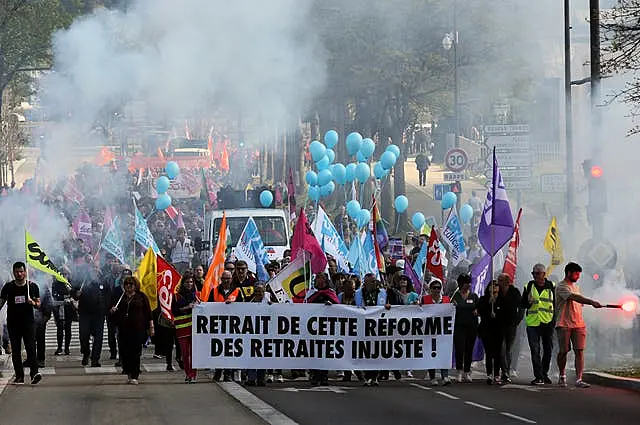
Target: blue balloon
[
  {"x": 327, "y": 189},
  {"x": 314, "y": 193},
  {"x": 466, "y": 213},
  {"x": 163, "y": 202},
  {"x": 331, "y": 138},
  {"x": 162, "y": 184},
  {"x": 324, "y": 177},
  {"x": 323, "y": 164},
  {"x": 339, "y": 173},
  {"x": 418, "y": 221},
  {"x": 317, "y": 150},
  {"x": 172, "y": 169},
  {"x": 395, "y": 149},
  {"x": 360, "y": 157},
  {"x": 364, "y": 216},
  {"x": 401, "y": 203},
  {"x": 363, "y": 172},
  {"x": 379, "y": 171},
  {"x": 353, "y": 207},
  {"x": 449, "y": 199},
  {"x": 311, "y": 178},
  {"x": 266, "y": 198},
  {"x": 388, "y": 160},
  {"x": 331, "y": 155},
  {"x": 367, "y": 148},
  {"x": 351, "y": 172},
  {"x": 354, "y": 141}
]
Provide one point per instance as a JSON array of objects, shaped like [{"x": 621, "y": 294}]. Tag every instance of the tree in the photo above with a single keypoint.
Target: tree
[
  {"x": 621, "y": 33},
  {"x": 26, "y": 28}
]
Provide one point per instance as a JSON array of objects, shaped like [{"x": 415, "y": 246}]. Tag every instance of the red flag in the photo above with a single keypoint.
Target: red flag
[
  {"x": 173, "y": 213},
  {"x": 168, "y": 279},
  {"x": 511, "y": 262},
  {"x": 304, "y": 240},
  {"x": 434, "y": 264},
  {"x": 224, "y": 159}
]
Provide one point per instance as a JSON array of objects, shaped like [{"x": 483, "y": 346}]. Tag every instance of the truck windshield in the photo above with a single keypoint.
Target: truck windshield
[{"x": 271, "y": 229}]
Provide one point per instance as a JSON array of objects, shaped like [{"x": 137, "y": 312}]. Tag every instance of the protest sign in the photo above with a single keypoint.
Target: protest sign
[{"x": 316, "y": 336}]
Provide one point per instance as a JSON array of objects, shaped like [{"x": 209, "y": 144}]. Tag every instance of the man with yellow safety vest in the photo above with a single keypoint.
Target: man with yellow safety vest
[{"x": 538, "y": 299}]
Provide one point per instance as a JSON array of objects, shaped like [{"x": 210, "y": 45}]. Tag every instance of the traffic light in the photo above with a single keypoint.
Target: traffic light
[{"x": 597, "y": 190}]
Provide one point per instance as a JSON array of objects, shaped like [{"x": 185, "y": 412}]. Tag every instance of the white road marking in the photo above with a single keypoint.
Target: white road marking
[
  {"x": 481, "y": 406},
  {"x": 452, "y": 397},
  {"x": 324, "y": 389},
  {"x": 100, "y": 370},
  {"x": 267, "y": 412},
  {"x": 422, "y": 387},
  {"x": 520, "y": 418}
]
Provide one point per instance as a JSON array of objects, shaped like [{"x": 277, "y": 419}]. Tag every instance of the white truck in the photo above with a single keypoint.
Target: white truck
[{"x": 273, "y": 225}]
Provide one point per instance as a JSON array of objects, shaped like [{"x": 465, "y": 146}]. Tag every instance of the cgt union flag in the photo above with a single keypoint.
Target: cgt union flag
[{"x": 167, "y": 279}]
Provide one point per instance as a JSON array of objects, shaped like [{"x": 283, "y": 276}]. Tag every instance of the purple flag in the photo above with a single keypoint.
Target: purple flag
[
  {"x": 411, "y": 274},
  {"x": 481, "y": 275},
  {"x": 496, "y": 225}
]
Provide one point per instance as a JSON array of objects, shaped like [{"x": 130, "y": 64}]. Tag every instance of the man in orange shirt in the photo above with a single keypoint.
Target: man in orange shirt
[{"x": 570, "y": 326}]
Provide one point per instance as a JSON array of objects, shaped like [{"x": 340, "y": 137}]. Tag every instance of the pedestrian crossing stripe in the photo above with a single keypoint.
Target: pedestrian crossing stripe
[{"x": 104, "y": 370}]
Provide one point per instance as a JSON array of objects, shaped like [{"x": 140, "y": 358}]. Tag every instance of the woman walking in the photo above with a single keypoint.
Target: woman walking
[
  {"x": 490, "y": 309},
  {"x": 182, "y": 308},
  {"x": 132, "y": 315},
  {"x": 466, "y": 326}
]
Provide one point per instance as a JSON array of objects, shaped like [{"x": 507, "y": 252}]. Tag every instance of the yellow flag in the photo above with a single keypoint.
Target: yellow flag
[
  {"x": 553, "y": 245},
  {"x": 146, "y": 274},
  {"x": 37, "y": 258}
]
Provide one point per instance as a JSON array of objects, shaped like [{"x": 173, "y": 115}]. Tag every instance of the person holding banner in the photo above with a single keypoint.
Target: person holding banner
[
  {"x": 491, "y": 311},
  {"x": 22, "y": 297},
  {"x": 224, "y": 293},
  {"x": 182, "y": 308},
  {"x": 435, "y": 297},
  {"x": 322, "y": 294},
  {"x": 370, "y": 294},
  {"x": 132, "y": 314}
]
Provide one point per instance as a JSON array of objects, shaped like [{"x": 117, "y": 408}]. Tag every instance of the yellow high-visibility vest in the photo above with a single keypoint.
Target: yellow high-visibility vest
[{"x": 541, "y": 310}]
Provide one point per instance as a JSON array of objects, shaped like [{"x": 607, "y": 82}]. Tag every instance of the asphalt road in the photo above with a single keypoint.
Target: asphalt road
[{"x": 413, "y": 402}]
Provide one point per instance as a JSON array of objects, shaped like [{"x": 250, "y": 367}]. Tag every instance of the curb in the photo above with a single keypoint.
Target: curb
[{"x": 608, "y": 380}]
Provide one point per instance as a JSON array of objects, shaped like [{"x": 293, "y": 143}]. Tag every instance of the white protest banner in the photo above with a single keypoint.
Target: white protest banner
[
  {"x": 318, "y": 336},
  {"x": 452, "y": 236}
]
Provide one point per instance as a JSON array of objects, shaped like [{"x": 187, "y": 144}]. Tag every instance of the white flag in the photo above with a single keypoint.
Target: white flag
[{"x": 452, "y": 237}]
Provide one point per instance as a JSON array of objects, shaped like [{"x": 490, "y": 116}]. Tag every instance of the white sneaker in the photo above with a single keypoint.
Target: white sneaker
[
  {"x": 133, "y": 381},
  {"x": 279, "y": 379},
  {"x": 368, "y": 382},
  {"x": 460, "y": 376},
  {"x": 409, "y": 374},
  {"x": 340, "y": 374},
  {"x": 446, "y": 380},
  {"x": 434, "y": 382},
  {"x": 269, "y": 379},
  {"x": 467, "y": 377}
]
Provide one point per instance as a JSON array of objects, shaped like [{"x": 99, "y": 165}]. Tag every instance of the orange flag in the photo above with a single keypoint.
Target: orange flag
[
  {"x": 224, "y": 159},
  {"x": 212, "y": 279}
]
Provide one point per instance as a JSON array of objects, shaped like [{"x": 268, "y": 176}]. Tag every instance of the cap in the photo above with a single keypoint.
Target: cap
[{"x": 400, "y": 264}]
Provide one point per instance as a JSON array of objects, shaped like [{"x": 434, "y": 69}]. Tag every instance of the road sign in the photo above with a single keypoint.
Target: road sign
[
  {"x": 506, "y": 129},
  {"x": 598, "y": 253},
  {"x": 516, "y": 173},
  {"x": 518, "y": 184},
  {"x": 440, "y": 189},
  {"x": 553, "y": 183},
  {"x": 456, "y": 160},
  {"x": 452, "y": 177}
]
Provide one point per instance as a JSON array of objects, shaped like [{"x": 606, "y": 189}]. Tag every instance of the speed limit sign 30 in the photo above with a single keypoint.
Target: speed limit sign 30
[{"x": 456, "y": 160}]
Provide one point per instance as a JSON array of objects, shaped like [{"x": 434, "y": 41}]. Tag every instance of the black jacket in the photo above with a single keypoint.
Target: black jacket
[
  {"x": 512, "y": 311},
  {"x": 95, "y": 298}
]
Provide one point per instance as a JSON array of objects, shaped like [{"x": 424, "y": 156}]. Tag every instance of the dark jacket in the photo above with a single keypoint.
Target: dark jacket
[
  {"x": 491, "y": 325},
  {"x": 513, "y": 313},
  {"x": 95, "y": 298}
]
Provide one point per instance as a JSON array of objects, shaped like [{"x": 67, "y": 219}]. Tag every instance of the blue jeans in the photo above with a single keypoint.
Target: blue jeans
[{"x": 536, "y": 335}]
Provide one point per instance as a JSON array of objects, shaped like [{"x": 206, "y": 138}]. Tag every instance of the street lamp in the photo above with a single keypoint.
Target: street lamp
[{"x": 450, "y": 41}]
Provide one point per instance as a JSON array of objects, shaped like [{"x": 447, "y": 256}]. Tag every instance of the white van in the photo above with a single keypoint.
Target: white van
[{"x": 272, "y": 224}]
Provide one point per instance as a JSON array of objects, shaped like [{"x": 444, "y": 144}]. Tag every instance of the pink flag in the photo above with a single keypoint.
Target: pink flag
[
  {"x": 304, "y": 240},
  {"x": 180, "y": 221},
  {"x": 82, "y": 227}
]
